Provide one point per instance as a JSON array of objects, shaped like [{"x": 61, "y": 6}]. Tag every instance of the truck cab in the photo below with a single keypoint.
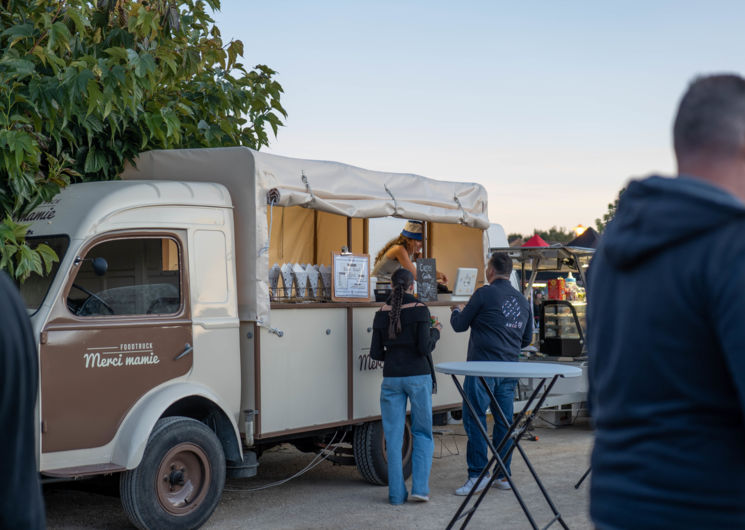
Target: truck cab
[{"x": 145, "y": 280}]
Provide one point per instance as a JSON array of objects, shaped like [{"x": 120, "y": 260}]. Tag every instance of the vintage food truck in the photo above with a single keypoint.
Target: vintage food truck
[{"x": 164, "y": 357}]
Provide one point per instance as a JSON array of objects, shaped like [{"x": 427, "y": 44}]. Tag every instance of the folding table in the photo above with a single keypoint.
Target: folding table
[{"x": 516, "y": 427}]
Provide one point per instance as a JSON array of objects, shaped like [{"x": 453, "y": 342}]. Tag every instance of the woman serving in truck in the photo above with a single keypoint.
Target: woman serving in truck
[{"x": 402, "y": 251}]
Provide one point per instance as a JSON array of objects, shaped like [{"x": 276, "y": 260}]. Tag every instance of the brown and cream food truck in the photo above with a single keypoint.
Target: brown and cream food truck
[{"x": 165, "y": 357}]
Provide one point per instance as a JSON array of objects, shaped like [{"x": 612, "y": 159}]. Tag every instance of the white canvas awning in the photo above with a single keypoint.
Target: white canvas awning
[
  {"x": 355, "y": 192},
  {"x": 330, "y": 187}
]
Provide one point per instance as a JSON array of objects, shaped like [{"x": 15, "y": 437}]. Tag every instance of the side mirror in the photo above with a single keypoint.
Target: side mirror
[{"x": 100, "y": 266}]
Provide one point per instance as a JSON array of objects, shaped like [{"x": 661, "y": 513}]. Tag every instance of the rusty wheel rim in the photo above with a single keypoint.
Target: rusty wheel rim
[
  {"x": 406, "y": 447},
  {"x": 183, "y": 479}
]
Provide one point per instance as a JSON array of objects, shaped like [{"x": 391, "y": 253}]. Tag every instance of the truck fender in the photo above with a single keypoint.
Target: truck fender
[{"x": 133, "y": 434}]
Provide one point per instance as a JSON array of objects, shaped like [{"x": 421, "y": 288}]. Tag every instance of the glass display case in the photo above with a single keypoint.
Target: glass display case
[
  {"x": 560, "y": 318},
  {"x": 562, "y": 328}
]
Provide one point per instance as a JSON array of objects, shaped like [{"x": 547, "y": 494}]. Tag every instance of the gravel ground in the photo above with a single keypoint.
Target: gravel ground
[{"x": 336, "y": 497}]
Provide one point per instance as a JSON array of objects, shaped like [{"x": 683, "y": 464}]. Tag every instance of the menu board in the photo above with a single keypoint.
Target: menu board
[
  {"x": 350, "y": 277},
  {"x": 426, "y": 279}
]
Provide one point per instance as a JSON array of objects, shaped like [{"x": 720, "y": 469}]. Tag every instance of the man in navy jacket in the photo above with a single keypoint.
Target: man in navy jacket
[
  {"x": 666, "y": 318},
  {"x": 500, "y": 322}
]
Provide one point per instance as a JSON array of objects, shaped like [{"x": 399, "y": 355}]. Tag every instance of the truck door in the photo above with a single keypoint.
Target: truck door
[{"x": 121, "y": 327}]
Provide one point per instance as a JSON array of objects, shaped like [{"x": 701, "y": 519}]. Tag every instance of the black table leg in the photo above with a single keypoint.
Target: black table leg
[
  {"x": 495, "y": 458},
  {"x": 582, "y": 478},
  {"x": 515, "y": 431}
]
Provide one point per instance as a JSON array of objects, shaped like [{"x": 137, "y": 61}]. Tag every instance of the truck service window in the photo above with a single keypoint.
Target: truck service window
[{"x": 141, "y": 276}]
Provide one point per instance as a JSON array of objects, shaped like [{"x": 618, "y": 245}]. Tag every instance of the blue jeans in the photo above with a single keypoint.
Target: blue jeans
[
  {"x": 476, "y": 449},
  {"x": 393, "y": 394}
]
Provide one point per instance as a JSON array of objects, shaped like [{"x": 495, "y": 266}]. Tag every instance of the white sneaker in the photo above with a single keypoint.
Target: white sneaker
[
  {"x": 466, "y": 488},
  {"x": 502, "y": 484},
  {"x": 419, "y": 498}
]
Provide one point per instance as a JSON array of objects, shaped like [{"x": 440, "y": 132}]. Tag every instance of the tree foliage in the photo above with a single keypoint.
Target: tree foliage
[
  {"x": 554, "y": 234},
  {"x": 85, "y": 87},
  {"x": 601, "y": 223},
  {"x": 513, "y": 237}
]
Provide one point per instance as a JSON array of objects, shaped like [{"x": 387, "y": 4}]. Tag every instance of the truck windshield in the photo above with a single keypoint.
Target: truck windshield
[{"x": 35, "y": 288}]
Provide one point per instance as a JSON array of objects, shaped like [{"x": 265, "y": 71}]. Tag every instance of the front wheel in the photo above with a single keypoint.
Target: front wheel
[
  {"x": 370, "y": 452},
  {"x": 180, "y": 478}
]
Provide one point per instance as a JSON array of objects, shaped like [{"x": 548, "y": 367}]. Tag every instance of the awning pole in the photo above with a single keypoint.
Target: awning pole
[{"x": 349, "y": 234}]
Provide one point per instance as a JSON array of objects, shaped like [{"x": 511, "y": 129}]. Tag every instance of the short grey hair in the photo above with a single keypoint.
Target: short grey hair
[{"x": 711, "y": 117}]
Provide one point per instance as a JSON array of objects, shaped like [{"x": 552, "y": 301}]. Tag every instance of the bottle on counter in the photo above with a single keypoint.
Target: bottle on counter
[{"x": 572, "y": 289}]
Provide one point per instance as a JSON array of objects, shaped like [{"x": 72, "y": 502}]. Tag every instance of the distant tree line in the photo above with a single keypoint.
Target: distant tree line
[{"x": 554, "y": 234}]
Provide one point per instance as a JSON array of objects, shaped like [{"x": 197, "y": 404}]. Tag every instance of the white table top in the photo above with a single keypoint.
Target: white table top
[{"x": 508, "y": 369}]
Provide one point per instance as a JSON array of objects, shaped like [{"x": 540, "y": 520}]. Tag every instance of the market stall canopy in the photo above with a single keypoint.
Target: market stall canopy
[
  {"x": 559, "y": 259},
  {"x": 587, "y": 239},
  {"x": 535, "y": 241},
  {"x": 255, "y": 179}
]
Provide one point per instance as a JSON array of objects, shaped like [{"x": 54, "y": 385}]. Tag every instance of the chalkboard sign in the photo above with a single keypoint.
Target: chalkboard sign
[{"x": 426, "y": 279}]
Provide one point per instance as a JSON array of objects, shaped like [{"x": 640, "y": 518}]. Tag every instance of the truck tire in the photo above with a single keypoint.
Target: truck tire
[
  {"x": 370, "y": 454},
  {"x": 180, "y": 478}
]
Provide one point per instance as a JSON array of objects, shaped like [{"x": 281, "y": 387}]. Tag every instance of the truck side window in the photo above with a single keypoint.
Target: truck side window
[{"x": 142, "y": 277}]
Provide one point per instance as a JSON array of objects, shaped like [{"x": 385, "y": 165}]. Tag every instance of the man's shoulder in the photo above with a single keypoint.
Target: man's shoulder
[{"x": 506, "y": 289}]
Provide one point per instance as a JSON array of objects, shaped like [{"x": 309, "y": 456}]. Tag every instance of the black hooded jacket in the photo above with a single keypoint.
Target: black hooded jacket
[
  {"x": 409, "y": 353},
  {"x": 21, "y": 504},
  {"x": 666, "y": 319}
]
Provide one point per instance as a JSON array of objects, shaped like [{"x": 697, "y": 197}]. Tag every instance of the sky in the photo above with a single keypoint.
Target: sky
[{"x": 552, "y": 106}]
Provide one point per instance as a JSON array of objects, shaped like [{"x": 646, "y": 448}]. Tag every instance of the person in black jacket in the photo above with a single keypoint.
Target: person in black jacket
[
  {"x": 21, "y": 503},
  {"x": 403, "y": 337},
  {"x": 500, "y": 322},
  {"x": 666, "y": 331}
]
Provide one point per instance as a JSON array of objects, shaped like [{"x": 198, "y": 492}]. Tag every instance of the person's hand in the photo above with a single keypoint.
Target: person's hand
[
  {"x": 435, "y": 323},
  {"x": 459, "y": 307}
]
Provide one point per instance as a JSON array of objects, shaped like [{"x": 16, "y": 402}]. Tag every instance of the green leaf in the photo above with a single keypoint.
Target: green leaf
[
  {"x": 145, "y": 65},
  {"x": 12, "y": 231},
  {"x": 41, "y": 53},
  {"x": 93, "y": 161},
  {"x": 48, "y": 256},
  {"x": 18, "y": 31},
  {"x": 27, "y": 261},
  {"x": 20, "y": 67},
  {"x": 94, "y": 96},
  {"x": 80, "y": 21},
  {"x": 118, "y": 52},
  {"x": 59, "y": 36}
]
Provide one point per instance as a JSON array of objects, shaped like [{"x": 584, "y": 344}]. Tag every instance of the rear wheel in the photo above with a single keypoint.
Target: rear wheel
[
  {"x": 370, "y": 452},
  {"x": 180, "y": 479}
]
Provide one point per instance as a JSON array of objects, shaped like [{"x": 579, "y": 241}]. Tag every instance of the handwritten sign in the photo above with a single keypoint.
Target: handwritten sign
[
  {"x": 426, "y": 279},
  {"x": 350, "y": 277}
]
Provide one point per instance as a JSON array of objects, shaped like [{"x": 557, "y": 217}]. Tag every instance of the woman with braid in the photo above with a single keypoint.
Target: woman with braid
[{"x": 403, "y": 337}]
